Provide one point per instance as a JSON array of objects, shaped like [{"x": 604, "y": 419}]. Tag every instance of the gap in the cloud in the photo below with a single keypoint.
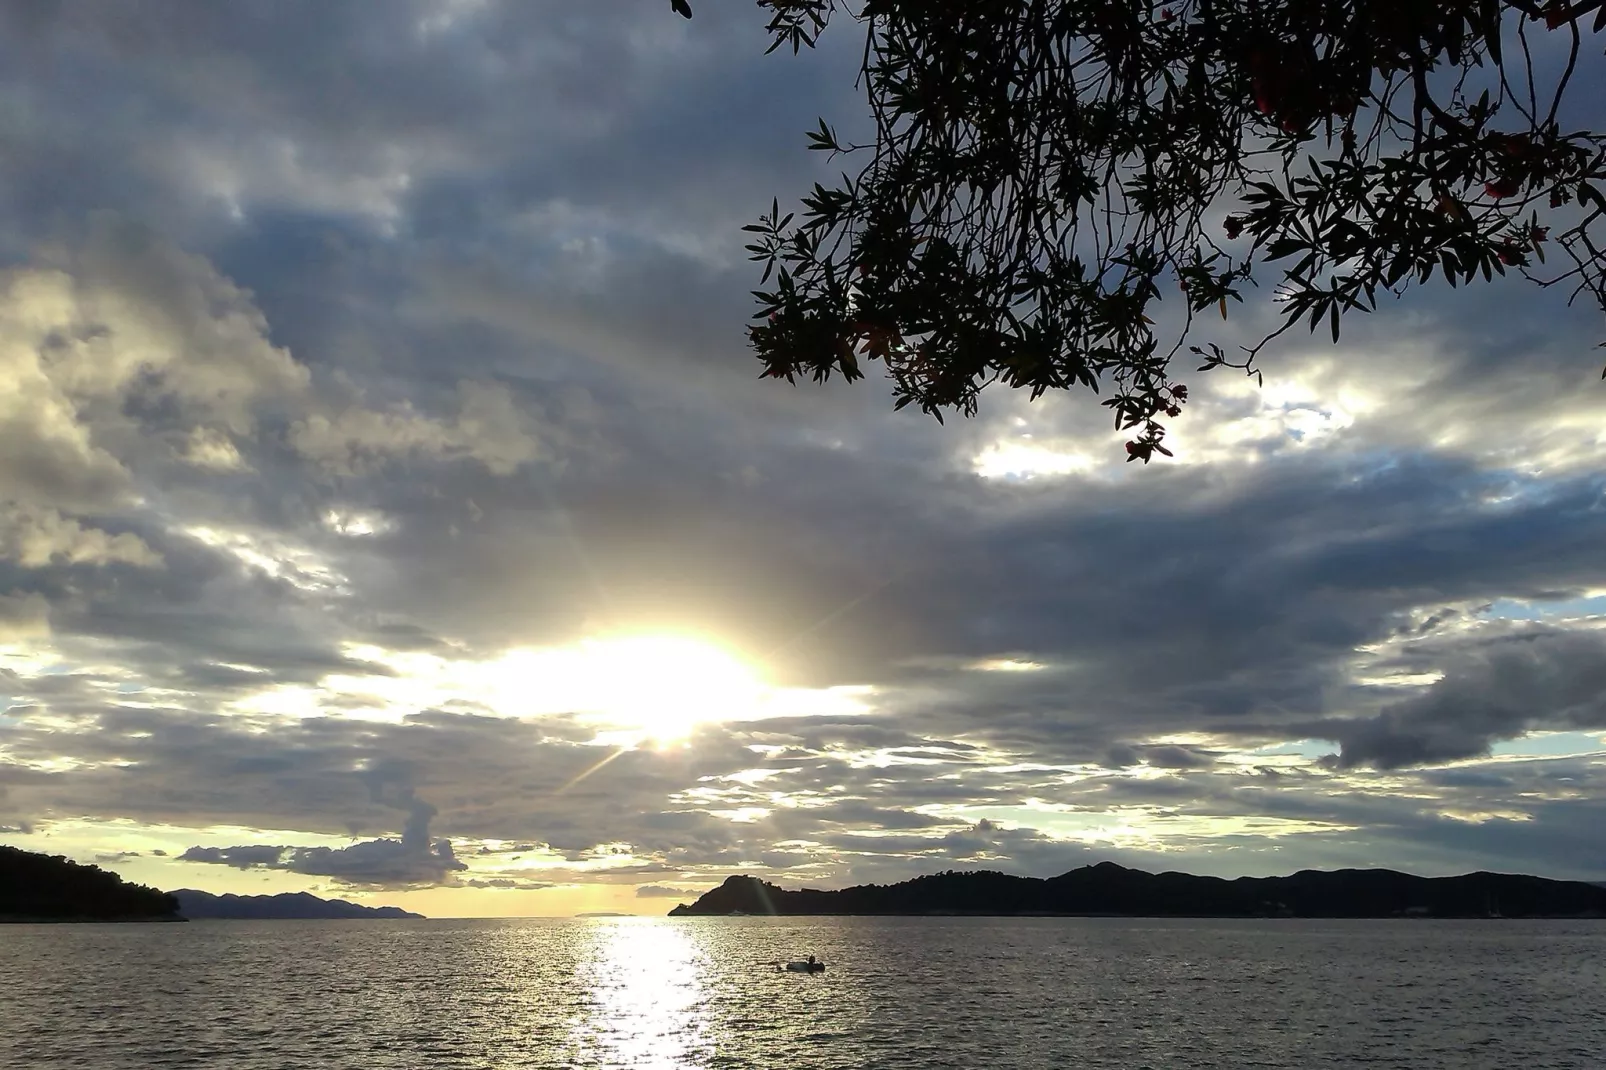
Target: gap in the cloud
[
  {"x": 1056, "y": 822},
  {"x": 1300, "y": 748},
  {"x": 1016, "y": 461},
  {"x": 1551, "y": 745},
  {"x": 1546, "y": 610}
]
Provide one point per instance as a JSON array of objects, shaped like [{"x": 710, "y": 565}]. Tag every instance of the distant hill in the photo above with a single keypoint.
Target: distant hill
[
  {"x": 1109, "y": 889},
  {"x": 197, "y": 905},
  {"x": 40, "y": 887}
]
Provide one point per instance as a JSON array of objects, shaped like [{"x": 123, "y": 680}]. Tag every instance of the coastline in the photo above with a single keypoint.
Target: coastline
[
  {"x": 24, "y": 919},
  {"x": 1110, "y": 890},
  {"x": 1595, "y": 916}
]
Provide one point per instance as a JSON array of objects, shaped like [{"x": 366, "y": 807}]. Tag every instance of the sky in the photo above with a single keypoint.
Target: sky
[{"x": 390, "y": 508}]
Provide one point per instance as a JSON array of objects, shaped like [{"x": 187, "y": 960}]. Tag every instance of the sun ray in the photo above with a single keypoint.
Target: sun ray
[
  {"x": 840, "y": 611},
  {"x": 592, "y": 768}
]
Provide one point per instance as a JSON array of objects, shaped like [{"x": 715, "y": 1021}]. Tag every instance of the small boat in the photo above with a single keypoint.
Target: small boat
[{"x": 812, "y": 965}]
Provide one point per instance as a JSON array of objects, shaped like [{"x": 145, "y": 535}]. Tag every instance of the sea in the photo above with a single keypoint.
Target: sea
[{"x": 897, "y": 992}]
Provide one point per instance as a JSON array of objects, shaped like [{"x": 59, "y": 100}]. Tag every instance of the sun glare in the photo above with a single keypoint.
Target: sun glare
[{"x": 647, "y": 687}]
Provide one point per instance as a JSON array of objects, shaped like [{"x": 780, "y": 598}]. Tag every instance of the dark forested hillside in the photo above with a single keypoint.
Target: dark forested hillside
[
  {"x": 51, "y": 888},
  {"x": 196, "y": 905},
  {"x": 1111, "y": 889}
]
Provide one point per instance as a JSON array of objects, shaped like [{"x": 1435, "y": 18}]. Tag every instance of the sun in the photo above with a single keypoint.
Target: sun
[
  {"x": 664, "y": 686},
  {"x": 645, "y": 687}
]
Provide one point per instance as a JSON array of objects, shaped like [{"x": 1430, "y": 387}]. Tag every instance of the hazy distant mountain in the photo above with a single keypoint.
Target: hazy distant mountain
[
  {"x": 1109, "y": 889},
  {"x": 196, "y": 904},
  {"x": 39, "y": 887}
]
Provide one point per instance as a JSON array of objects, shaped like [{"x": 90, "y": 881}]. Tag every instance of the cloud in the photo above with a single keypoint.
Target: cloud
[
  {"x": 664, "y": 891},
  {"x": 412, "y": 859},
  {"x": 382, "y": 862},
  {"x": 127, "y": 354},
  {"x": 209, "y": 448},
  {"x": 1497, "y": 690},
  {"x": 1160, "y": 757},
  {"x": 488, "y": 428},
  {"x": 264, "y": 856},
  {"x": 23, "y": 616},
  {"x": 37, "y": 538},
  {"x": 120, "y": 329}
]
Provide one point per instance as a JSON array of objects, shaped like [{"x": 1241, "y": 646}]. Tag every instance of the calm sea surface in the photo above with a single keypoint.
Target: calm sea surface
[{"x": 1049, "y": 993}]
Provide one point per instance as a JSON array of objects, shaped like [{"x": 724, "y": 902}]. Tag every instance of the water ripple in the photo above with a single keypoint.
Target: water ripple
[{"x": 705, "y": 992}]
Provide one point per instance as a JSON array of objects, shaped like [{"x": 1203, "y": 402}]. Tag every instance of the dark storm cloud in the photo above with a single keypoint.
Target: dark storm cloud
[
  {"x": 1490, "y": 692},
  {"x": 414, "y": 858},
  {"x": 381, "y": 862},
  {"x": 239, "y": 857},
  {"x": 1161, "y": 757}
]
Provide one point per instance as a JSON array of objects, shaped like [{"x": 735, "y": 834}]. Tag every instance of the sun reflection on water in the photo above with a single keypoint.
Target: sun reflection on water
[{"x": 646, "y": 998}]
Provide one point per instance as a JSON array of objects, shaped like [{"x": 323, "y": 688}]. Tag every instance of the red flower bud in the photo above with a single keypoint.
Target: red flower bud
[
  {"x": 1502, "y": 187},
  {"x": 1512, "y": 255},
  {"x": 1262, "y": 95}
]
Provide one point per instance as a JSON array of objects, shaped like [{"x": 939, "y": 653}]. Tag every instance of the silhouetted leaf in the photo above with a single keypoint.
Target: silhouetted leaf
[{"x": 1012, "y": 204}]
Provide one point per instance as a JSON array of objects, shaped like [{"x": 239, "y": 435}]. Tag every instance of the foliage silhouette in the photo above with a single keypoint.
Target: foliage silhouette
[
  {"x": 1042, "y": 171},
  {"x": 1111, "y": 889},
  {"x": 39, "y": 886}
]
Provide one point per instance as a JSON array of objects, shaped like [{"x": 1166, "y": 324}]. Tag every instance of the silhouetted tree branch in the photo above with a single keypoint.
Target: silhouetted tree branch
[{"x": 1042, "y": 171}]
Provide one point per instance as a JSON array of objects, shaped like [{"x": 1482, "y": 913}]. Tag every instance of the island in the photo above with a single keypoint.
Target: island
[
  {"x": 198, "y": 905},
  {"x": 39, "y": 887},
  {"x": 1108, "y": 889}
]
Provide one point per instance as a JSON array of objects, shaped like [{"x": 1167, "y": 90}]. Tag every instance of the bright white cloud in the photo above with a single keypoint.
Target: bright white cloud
[{"x": 36, "y": 538}]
